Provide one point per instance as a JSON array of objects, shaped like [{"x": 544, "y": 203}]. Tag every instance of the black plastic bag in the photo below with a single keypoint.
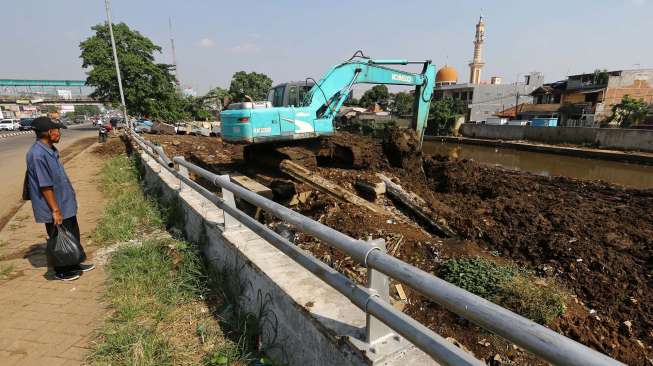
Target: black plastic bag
[{"x": 64, "y": 249}]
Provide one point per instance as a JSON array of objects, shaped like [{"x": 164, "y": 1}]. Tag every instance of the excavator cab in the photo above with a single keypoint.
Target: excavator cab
[{"x": 289, "y": 94}]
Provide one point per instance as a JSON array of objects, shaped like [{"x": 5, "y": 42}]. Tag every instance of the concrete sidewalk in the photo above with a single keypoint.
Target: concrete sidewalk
[{"x": 44, "y": 321}]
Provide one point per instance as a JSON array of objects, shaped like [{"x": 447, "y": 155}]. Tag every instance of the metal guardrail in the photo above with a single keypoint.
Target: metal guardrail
[{"x": 537, "y": 339}]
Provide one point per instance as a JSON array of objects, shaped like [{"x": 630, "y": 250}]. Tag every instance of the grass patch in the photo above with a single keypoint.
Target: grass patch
[
  {"x": 128, "y": 208},
  {"x": 5, "y": 270},
  {"x": 164, "y": 305},
  {"x": 538, "y": 299},
  {"x": 156, "y": 291}
]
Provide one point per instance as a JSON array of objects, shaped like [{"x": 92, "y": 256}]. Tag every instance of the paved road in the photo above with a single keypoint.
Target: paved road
[{"x": 12, "y": 163}]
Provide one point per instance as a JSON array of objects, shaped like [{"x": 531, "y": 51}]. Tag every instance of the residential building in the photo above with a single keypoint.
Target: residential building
[{"x": 586, "y": 100}]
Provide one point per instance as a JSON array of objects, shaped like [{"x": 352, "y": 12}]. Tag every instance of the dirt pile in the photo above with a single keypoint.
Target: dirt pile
[
  {"x": 402, "y": 148},
  {"x": 596, "y": 238}
]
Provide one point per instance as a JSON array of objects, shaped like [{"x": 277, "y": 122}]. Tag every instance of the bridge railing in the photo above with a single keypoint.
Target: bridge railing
[{"x": 383, "y": 319}]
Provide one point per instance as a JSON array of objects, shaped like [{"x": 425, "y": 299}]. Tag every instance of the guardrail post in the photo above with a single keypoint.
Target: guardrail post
[
  {"x": 183, "y": 171},
  {"x": 379, "y": 285},
  {"x": 230, "y": 223}
]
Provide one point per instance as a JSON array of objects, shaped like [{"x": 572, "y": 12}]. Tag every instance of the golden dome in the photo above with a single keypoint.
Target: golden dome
[{"x": 447, "y": 75}]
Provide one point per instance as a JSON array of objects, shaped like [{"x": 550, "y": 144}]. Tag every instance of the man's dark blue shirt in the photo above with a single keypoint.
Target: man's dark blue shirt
[{"x": 44, "y": 169}]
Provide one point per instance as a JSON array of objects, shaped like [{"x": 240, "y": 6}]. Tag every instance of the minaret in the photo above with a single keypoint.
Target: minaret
[{"x": 477, "y": 63}]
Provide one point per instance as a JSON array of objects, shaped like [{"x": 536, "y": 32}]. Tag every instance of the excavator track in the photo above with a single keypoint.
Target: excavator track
[{"x": 324, "y": 151}]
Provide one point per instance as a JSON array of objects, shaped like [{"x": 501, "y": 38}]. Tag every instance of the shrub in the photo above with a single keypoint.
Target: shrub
[
  {"x": 476, "y": 275},
  {"x": 507, "y": 285}
]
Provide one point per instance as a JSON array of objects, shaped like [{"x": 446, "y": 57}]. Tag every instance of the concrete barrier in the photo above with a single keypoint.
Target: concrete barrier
[
  {"x": 303, "y": 321},
  {"x": 625, "y": 139},
  {"x": 612, "y": 138}
]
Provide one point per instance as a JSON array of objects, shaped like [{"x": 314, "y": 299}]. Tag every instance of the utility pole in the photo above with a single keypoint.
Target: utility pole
[
  {"x": 174, "y": 56},
  {"x": 115, "y": 59}
]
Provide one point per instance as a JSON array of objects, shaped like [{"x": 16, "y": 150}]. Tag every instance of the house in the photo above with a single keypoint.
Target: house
[{"x": 586, "y": 100}]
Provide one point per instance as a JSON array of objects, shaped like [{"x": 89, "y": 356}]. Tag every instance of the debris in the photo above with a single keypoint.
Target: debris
[
  {"x": 311, "y": 178},
  {"x": 400, "y": 292},
  {"x": 369, "y": 191},
  {"x": 417, "y": 206}
]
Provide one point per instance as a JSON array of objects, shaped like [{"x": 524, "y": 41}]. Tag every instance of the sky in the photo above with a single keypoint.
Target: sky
[{"x": 295, "y": 39}]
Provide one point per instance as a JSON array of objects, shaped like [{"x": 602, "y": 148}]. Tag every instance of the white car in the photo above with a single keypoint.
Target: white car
[{"x": 9, "y": 125}]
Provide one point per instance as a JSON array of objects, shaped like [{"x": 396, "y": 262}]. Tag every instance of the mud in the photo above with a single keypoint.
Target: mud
[{"x": 596, "y": 239}]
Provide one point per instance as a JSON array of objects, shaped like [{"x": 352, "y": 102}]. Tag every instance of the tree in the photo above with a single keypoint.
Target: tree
[
  {"x": 216, "y": 99},
  {"x": 253, "y": 84},
  {"x": 378, "y": 94},
  {"x": 87, "y": 110},
  {"x": 600, "y": 77},
  {"x": 196, "y": 109},
  {"x": 443, "y": 114},
  {"x": 149, "y": 87},
  {"x": 629, "y": 111},
  {"x": 402, "y": 103}
]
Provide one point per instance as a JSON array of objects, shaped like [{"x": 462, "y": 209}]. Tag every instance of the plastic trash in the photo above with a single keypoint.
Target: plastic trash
[{"x": 63, "y": 248}]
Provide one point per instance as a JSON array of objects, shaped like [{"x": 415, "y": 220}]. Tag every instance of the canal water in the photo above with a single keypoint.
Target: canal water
[{"x": 625, "y": 174}]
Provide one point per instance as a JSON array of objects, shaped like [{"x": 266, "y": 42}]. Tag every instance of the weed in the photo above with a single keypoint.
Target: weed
[
  {"x": 477, "y": 275},
  {"x": 505, "y": 284},
  {"x": 537, "y": 299},
  {"x": 156, "y": 289},
  {"x": 5, "y": 270},
  {"x": 128, "y": 208}
]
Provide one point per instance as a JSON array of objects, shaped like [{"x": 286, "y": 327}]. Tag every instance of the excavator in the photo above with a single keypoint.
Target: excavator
[{"x": 260, "y": 125}]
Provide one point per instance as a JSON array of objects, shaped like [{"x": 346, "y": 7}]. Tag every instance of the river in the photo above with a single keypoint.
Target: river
[{"x": 625, "y": 174}]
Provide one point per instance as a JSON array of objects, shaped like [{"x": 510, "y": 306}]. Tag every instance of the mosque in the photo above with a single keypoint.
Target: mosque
[{"x": 482, "y": 98}]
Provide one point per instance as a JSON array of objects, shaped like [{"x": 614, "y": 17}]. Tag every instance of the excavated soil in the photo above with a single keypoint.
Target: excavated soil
[{"x": 594, "y": 238}]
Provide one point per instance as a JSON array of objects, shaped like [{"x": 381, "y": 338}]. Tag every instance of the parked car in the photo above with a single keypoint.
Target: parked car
[
  {"x": 25, "y": 124},
  {"x": 9, "y": 125}
]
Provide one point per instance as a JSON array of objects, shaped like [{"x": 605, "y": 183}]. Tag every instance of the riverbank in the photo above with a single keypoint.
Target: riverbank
[
  {"x": 577, "y": 151},
  {"x": 504, "y": 216}
]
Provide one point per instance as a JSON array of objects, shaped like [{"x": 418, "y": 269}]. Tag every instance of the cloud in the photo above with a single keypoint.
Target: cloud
[
  {"x": 244, "y": 48},
  {"x": 206, "y": 43},
  {"x": 638, "y": 2}
]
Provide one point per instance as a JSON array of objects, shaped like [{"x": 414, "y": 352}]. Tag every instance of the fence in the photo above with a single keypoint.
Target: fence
[{"x": 383, "y": 319}]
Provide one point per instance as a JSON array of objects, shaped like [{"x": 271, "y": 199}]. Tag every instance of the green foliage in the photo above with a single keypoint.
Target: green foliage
[
  {"x": 149, "y": 87},
  {"x": 156, "y": 290},
  {"x": 516, "y": 289},
  {"x": 443, "y": 114},
  {"x": 377, "y": 94},
  {"x": 600, "y": 77},
  {"x": 477, "y": 275},
  {"x": 5, "y": 270},
  {"x": 87, "y": 110},
  {"x": 629, "y": 111},
  {"x": 253, "y": 84},
  {"x": 196, "y": 109},
  {"x": 402, "y": 103},
  {"x": 129, "y": 208}
]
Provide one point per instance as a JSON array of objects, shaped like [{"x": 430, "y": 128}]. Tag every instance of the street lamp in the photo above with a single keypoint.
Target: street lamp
[{"x": 115, "y": 59}]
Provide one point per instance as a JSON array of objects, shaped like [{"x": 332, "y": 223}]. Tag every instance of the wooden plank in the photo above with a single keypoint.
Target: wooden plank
[
  {"x": 251, "y": 184},
  {"x": 417, "y": 206},
  {"x": 311, "y": 178}
]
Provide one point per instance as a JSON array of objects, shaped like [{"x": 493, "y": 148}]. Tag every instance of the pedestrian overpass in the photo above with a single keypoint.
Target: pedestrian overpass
[{"x": 33, "y": 91}]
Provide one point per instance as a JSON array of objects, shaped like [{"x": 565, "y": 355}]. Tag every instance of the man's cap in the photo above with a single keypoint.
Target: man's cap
[{"x": 43, "y": 124}]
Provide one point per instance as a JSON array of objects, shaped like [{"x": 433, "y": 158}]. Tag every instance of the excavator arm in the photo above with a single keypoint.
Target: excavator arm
[{"x": 329, "y": 93}]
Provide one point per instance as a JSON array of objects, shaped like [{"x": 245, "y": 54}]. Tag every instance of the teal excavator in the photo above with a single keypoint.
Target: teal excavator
[{"x": 259, "y": 123}]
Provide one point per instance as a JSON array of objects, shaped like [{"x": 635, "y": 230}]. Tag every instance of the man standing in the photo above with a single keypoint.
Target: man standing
[{"x": 53, "y": 198}]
